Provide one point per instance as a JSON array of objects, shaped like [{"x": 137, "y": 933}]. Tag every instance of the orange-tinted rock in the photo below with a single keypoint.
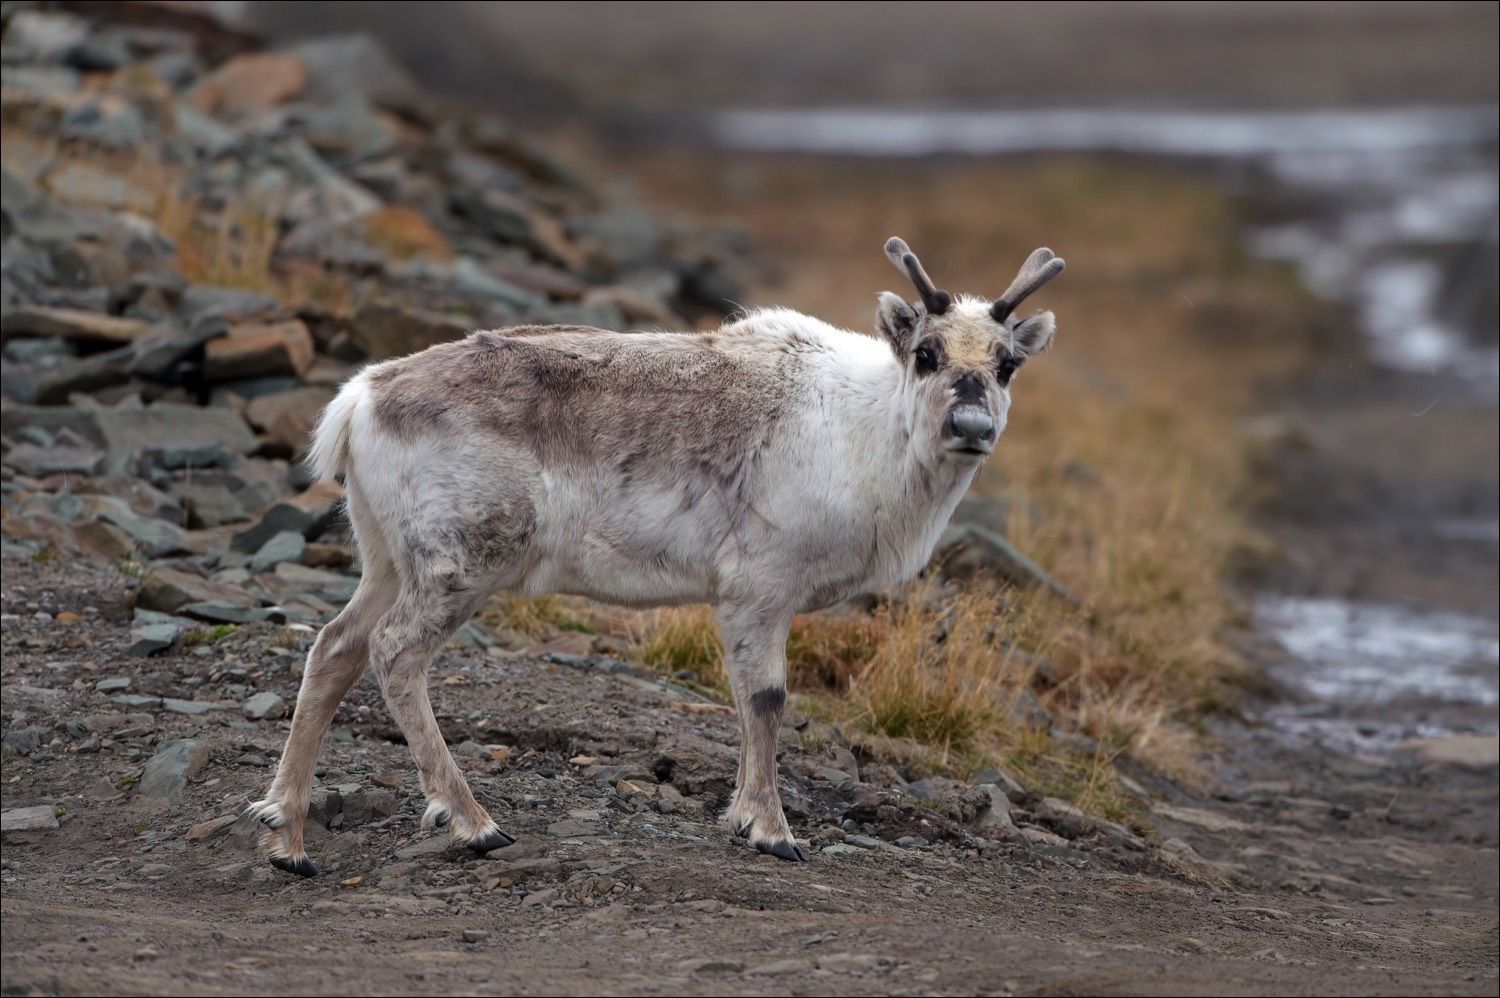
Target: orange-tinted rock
[
  {"x": 251, "y": 82},
  {"x": 288, "y": 417},
  {"x": 402, "y": 233},
  {"x": 259, "y": 350}
]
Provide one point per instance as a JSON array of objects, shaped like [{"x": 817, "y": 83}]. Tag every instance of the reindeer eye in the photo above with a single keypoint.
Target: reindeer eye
[
  {"x": 927, "y": 360},
  {"x": 1006, "y": 370}
]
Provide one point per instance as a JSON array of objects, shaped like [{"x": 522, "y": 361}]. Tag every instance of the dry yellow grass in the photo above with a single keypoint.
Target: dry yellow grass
[{"x": 1124, "y": 438}]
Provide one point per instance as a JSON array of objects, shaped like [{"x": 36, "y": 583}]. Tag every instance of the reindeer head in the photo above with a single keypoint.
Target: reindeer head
[{"x": 960, "y": 355}]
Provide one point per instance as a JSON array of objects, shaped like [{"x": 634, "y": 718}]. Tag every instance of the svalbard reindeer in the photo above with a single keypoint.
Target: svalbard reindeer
[{"x": 773, "y": 466}]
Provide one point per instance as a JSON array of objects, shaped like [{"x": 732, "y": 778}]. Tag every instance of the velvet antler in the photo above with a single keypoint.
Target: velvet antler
[
  {"x": 937, "y": 302},
  {"x": 1040, "y": 267}
]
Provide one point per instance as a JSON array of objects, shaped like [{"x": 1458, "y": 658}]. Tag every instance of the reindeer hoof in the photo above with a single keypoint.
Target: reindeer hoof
[
  {"x": 783, "y": 849},
  {"x": 301, "y": 866},
  {"x": 492, "y": 839}
]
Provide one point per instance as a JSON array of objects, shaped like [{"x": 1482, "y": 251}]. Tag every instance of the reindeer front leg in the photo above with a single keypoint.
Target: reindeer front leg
[{"x": 754, "y": 639}]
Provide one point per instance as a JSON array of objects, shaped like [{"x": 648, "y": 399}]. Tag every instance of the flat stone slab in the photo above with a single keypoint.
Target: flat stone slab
[{"x": 28, "y": 819}]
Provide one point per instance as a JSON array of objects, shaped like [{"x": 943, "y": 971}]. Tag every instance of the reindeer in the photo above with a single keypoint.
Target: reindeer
[{"x": 773, "y": 466}]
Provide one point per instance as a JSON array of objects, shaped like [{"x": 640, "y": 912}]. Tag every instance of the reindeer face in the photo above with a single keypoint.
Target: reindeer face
[{"x": 960, "y": 356}]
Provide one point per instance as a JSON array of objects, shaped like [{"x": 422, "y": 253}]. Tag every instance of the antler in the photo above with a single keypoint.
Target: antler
[
  {"x": 937, "y": 302},
  {"x": 1040, "y": 267}
]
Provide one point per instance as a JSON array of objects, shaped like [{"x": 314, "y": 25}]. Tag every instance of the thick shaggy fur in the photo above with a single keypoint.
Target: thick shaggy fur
[{"x": 773, "y": 466}]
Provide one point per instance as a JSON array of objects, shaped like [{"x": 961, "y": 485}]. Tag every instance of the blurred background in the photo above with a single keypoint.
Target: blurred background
[
  {"x": 1264, "y": 450},
  {"x": 1352, "y": 143}
]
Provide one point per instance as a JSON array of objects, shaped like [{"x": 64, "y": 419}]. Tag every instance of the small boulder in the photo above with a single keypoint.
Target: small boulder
[
  {"x": 168, "y": 771},
  {"x": 168, "y": 590},
  {"x": 264, "y": 706},
  {"x": 259, "y": 350}
]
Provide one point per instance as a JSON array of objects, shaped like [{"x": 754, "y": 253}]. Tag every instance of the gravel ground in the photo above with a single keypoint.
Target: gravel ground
[{"x": 1298, "y": 874}]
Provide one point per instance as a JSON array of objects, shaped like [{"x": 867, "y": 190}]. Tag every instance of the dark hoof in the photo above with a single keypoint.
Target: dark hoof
[
  {"x": 492, "y": 839},
  {"x": 440, "y": 818},
  {"x": 301, "y": 866},
  {"x": 783, "y": 849},
  {"x": 271, "y": 820}
]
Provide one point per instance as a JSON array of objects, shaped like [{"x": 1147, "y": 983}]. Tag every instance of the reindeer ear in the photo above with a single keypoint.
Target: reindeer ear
[
  {"x": 896, "y": 321},
  {"x": 1031, "y": 337}
]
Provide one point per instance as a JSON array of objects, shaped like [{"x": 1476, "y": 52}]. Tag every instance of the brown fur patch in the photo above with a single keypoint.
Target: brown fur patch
[{"x": 970, "y": 346}]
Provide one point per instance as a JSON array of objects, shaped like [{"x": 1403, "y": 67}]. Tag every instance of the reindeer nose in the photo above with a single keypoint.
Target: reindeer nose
[{"x": 970, "y": 428}]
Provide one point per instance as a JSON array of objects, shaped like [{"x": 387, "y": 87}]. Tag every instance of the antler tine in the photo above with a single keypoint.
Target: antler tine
[
  {"x": 1040, "y": 267},
  {"x": 937, "y": 302}
]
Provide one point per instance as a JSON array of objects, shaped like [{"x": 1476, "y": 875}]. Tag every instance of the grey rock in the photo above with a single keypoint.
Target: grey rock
[
  {"x": 500, "y": 215},
  {"x": 471, "y": 278},
  {"x": 201, "y": 301},
  {"x": 842, "y": 849},
  {"x": 225, "y": 613},
  {"x": 203, "y": 133},
  {"x": 38, "y": 462},
  {"x": 43, "y": 348},
  {"x": 113, "y": 125},
  {"x": 967, "y": 549},
  {"x": 45, "y": 82},
  {"x": 324, "y": 805},
  {"x": 51, "y": 419},
  {"x": 845, "y": 760},
  {"x": 209, "y": 503},
  {"x": 168, "y": 590},
  {"x": 167, "y": 772},
  {"x": 159, "y": 350},
  {"x": 264, "y": 706},
  {"x": 24, "y": 741},
  {"x": 346, "y": 131},
  {"x": 387, "y": 328},
  {"x": 137, "y": 700},
  {"x": 153, "y": 639},
  {"x": 169, "y": 424},
  {"x": 575, "y": 827},
  {"x": 355, "y": 64},
  {"x": 318, "y": 581},
  {"x": 55, "y": 383},
  {"x": 27, "y": 210},
  {"x": 34, "y": 435},
  {"x": 43, "y": 36},
  {"x": 997, "y": 817},
  {"x": 365, "y": 805},
  {"x": 152, "y": 537},
  {"x": 287, "y": 545},
  {"x": 1012, "y": 790},
  {"x": 192, "y": 708},
  {"x": 911, "y": 842},
  {"x": 177, "y": 457},
  {"x": 114, "y": 684},
  {"x": 284, "y": 517},
  {"x": 28, "y": 819}
]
